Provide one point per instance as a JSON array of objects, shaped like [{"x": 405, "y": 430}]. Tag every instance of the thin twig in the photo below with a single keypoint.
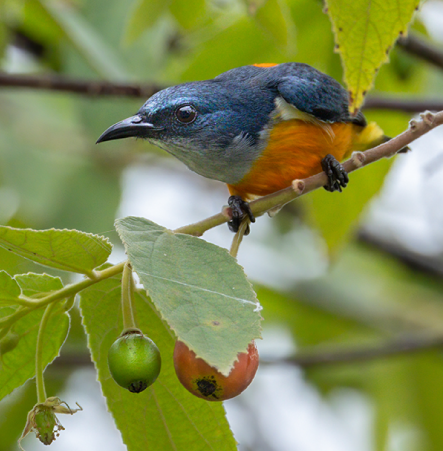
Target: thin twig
[
  {"x": 422, "y": 49},
  {"x": 319, "y": 356},
  {"x": 97, "y": 88},
  {"x": 405, "y": 104},
  {"x": 404, "y": 345},
  {"x": 86, "y": 87},
  {"x": 428, "y": 264},
  {"x": 417, "y": 128}
]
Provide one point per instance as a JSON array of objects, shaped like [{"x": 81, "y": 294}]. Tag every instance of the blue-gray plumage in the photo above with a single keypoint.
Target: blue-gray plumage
[
  {"x": 256, "y": 128},
  {"x": 234, "y": 113}
]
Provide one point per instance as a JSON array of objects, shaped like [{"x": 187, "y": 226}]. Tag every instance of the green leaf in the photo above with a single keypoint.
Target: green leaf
[
  {"x": 237, "y": 43},
  {"x": 426, "y": 375},
  {"x": 164, "y": 416},
  {"x": 336, "y": 214},
  {"x": 18, "y": 365},
  {"x": 9, "y": 289},
  {"x": 144, "y": 14},
  {"x": 272, "y": 16},
  {"x": 365, "y": 32},
  {"x": 188, "y": 17},
  {"x": 199, "y": 289},
  {"x": 3, "y": 32},
  {"x": 34, "y": 285},
  {"x": 69, "y": 250},
  {"x": 82, "y": 36}
]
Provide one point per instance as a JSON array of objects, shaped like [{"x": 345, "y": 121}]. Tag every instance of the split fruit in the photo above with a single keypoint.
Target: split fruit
[{"x": 206, "y": 382}]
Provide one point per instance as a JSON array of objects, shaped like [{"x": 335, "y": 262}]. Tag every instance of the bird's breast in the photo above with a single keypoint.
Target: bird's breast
[{"x": 294, "y": 150}]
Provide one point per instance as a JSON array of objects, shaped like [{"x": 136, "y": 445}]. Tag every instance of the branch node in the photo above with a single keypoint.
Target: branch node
[
  {"x": 413, "y": 125},
  {"x": 298, "y": 186},
  {"x": 227, "y": 212},
  {"x": 358, "y": 159},
  {"x": 428, "y": 118}
]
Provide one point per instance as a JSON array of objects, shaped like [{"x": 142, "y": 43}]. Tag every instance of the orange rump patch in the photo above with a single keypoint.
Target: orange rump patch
[{"x": 265, "y": 65}]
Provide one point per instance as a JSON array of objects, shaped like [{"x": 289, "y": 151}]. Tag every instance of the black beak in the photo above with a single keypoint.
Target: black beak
[{"x": 134, "y": 126}]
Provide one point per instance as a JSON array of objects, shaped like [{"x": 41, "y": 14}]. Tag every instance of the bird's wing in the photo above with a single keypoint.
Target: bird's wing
[{"x": 313, "y": 92}]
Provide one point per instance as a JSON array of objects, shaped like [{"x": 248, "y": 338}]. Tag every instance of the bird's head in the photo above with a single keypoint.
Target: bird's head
[
  {"x": 186, "y": 114},
  {"x": 200, "y": 123}
]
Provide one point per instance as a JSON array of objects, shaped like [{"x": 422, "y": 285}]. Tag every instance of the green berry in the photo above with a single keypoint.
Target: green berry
[{"x": 134, "y": 361}]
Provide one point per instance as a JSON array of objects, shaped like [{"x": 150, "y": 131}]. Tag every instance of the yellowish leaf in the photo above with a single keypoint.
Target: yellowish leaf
[{"x": 365, "y": 31}]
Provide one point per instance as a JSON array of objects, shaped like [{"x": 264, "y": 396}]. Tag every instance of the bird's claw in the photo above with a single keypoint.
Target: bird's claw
[
  {"x": 240, "y": 209},
  {"x": 337, "y": 176}
]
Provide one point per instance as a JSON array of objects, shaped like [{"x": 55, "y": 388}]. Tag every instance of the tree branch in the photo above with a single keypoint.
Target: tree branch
[
  {"x": 407, "y": 105},
  {"x": 319, "y": 356},
  {"x": 86, "y": 87},
  {"x": 96, "y": 88},
  {"x": 402, "y": 345},
  {"x": 417, "y": 128},
  {"x": 431, "y": 265},
  {"x": 422, "y": 49}
]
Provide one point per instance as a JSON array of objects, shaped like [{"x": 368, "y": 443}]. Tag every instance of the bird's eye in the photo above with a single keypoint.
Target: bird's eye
[{"x": 186, "y": 114}]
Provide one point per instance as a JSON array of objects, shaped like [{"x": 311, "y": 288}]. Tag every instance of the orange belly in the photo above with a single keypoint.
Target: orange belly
[{"x": 294, "y": 151}]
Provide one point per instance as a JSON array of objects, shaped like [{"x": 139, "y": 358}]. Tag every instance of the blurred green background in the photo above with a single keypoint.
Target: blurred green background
[{"x": 350, "y": 271}]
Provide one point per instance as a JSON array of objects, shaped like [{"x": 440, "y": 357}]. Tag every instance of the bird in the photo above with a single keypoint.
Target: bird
[{"x": 256, "y": 128}]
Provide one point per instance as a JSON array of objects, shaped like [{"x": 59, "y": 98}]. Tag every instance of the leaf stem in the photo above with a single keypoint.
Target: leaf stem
[
  {"x": 41, "y": 391},
  {"x": 65, "y": 292},
  {"x": 74, "y": 288},
  {"x": 24, "y": 301},
  {"x": 127, "y": 298}
]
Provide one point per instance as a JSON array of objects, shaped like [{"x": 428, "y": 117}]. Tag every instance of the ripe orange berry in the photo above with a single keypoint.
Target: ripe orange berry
[{"x": 206, "y": 382}]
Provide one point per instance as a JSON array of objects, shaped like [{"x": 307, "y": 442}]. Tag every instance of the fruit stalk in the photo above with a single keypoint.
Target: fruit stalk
[{"x": 127, "y": 298}]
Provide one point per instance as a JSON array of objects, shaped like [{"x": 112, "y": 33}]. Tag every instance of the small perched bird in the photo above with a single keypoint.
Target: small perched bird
[{"x": 256, "y": 128}]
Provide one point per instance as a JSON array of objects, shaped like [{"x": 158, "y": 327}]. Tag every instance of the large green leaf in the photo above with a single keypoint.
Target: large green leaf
[
  {"x": 143, "y": 15},
  {"x": 427, "y": 376},
  {"x": 275, "y": 19},
  {"x": 313, "y": 31},
  {"x": 165, "y": 416},
  {"x": 188, "y": 17},
  {"x": 18, "y": 364},
  {"x": 3, "y": 32},
  {"x": 64, "y": 19},
  {"x": 336, "y": 214},
  {"x": 365, "y": 31},
  {"x": 199, "y": 289},
  {"x": 34, "y": 285},
  {"x": 69, "y": 250},
  {"x": 238, "y": 42},
  {"x": 9, "y": 289}
]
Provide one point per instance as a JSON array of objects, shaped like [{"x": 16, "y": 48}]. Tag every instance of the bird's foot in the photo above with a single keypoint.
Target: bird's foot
[
  {"x": 337, "y": 176},
  {"x": 240, "y": 209}
]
